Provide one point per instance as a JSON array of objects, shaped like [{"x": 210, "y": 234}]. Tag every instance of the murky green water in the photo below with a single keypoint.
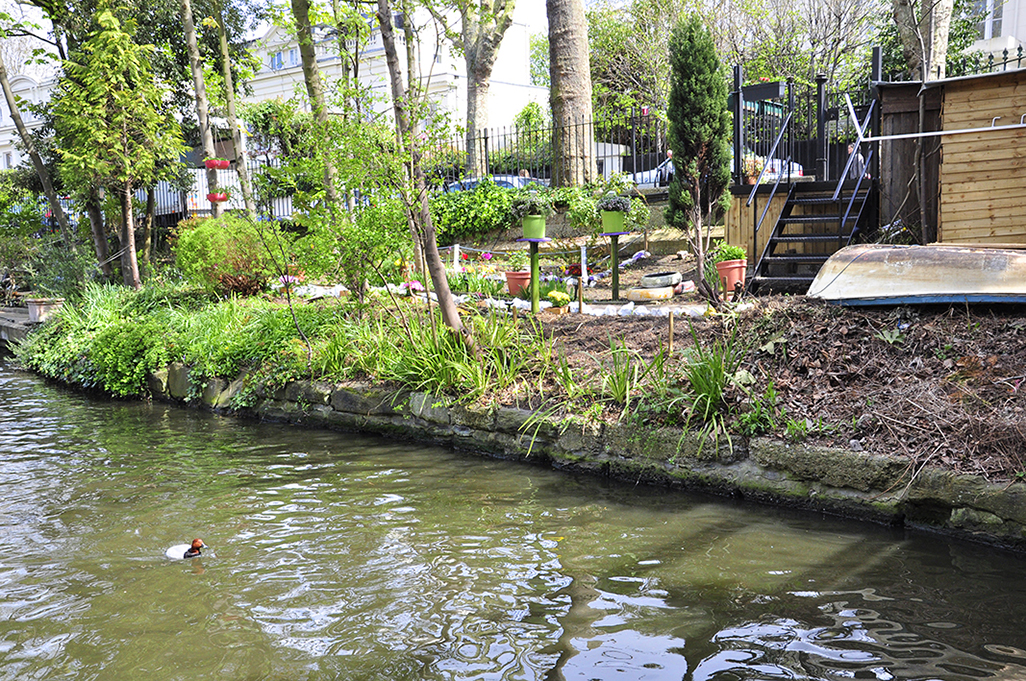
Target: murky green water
[{"x": 342, "y": 557}]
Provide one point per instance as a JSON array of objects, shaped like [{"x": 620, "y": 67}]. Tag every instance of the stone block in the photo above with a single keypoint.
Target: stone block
[
  {"x": 308, "y": 392},
  {"x": 179, "y": 384},
  {"x": 834, "y": 467},
  {"x": 430, "y": 408},
  {"x": 366, "y": 401},
  {"x": 156, "y": 384}
]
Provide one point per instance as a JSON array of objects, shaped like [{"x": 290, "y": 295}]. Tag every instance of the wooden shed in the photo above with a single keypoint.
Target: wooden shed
[{"x": 983, "y": 174}]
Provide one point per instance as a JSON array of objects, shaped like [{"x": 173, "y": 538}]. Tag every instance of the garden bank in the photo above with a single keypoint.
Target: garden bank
[{"x": 873, "y": 487}]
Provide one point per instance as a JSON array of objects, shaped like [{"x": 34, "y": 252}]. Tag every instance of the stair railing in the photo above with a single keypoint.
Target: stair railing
[
  {"x": 772, "y": 153},
  {"x": 855, "y": 149},
  {"x": 858, "y": 185}
]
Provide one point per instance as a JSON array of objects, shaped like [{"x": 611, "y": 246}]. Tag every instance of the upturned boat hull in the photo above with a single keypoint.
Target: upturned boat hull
[{"x": 875, "y": 274}]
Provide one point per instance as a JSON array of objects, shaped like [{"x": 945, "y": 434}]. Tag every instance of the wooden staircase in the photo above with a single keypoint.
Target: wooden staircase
[{"x": 812, "y": 226}]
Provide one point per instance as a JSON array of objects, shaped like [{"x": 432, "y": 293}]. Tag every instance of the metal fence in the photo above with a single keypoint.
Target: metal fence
[{"x": 633, "y": 144}]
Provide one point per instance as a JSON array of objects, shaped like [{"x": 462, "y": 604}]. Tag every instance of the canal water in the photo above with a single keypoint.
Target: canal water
[{"x": 344, "y": 557}]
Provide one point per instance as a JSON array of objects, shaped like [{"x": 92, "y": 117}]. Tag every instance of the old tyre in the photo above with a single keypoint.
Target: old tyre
[
  {"x": 647, "y": 295},
  {"x": 660, "y": 280}
]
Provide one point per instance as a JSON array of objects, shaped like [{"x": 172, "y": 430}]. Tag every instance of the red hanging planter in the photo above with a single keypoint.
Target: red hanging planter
[
  {"x": 217, "y": 163},
  {"x": 217, "y": 197}
]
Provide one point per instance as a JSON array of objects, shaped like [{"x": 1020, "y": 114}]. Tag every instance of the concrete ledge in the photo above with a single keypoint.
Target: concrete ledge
[{"x": 878, "y": 488}]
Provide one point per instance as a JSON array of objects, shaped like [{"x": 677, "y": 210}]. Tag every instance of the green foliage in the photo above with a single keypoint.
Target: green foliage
[
  {"x": 463, "y": 215},
  {"x": 708, "y": 372},
  {"x": 125, "y": 351},
  {"x": 611, "y": 201},
  {"x": 700, "y": 124},
  {"x": 55, "y": 270},
  {"x": 111, "y": 112},
  {"x": 470, "y": 282},
  {"x": 761, "y": 416},
  {"x": 532, "y": 117},
  {"x": 539, "y": 48},
  {"x": 229, "y": 254}
]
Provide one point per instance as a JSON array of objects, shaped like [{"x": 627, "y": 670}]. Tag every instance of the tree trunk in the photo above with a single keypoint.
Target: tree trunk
[
  {"x": 924, "y": 39},
  {"x": 312, "y": 76},
  {"x": 147, "y": 231},
  {"x": 573, "y": 147},
  {"x": 37, "y": 161},
  {"x": 92, "y": 206},
  {"x": 483, "y": 27},
  {"x": 129, "y": 263},
  {"x": 196, "y": 66},
  {"x": 418, "y": 206},
  {"x": 241, "y": 166}
]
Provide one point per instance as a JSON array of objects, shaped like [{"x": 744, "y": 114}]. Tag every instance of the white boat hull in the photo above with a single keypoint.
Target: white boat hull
[{"x": 874, "y": 274}]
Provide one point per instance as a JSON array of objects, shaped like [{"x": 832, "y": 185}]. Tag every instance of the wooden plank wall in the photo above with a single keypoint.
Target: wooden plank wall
[
  {"x": 983, "y": 175},
  {"x": 739, "y": 222},
  {"x": 899, "y": 196}
]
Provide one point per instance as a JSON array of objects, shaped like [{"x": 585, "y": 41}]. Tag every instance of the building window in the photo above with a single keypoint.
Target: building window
[
  {"x": 274, "y": 60},
  {"x": 292, "y": 57},
  {"x": 8, "y": 160},
  {"x": 991, "y": 12}
]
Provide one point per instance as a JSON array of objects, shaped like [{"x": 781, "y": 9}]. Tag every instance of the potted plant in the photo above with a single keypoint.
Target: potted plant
[
  {"x": 219, "y": 197},
  {"x": 560, "y": 300},
  {"x": 731, "y": 263},
  {"x": 217, "y": 163},
  {"x": 517, "y": 276},
  {"x": 614, "y": 207},
  {"x": 751, "y": 167},
  {"x": 531, "y": 208},
  {"x": 40, "y": 307}
]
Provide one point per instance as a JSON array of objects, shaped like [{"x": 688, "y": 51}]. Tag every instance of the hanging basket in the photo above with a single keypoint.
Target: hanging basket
[
  {"x": 217, "y": 163},
  {"x": 612, "y": 221},
  {"x": 217, "y": 197}
]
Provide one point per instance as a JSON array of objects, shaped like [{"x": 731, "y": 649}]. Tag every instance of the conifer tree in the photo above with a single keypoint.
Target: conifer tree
[{"x": 699, "y": 133}]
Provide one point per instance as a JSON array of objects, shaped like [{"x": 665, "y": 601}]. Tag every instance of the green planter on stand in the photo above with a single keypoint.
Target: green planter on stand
[
  {"x": 612, "y": 221},
  {"x": 534, "y": 226}
]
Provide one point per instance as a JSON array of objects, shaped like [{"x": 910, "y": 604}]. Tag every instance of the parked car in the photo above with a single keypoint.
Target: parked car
[
  {"x": 656, "y": 177},
  {"x": 507, "y": 181}
]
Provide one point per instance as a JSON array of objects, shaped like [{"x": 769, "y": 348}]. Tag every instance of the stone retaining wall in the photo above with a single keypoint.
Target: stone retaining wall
[{"x": 837, "y": 481}]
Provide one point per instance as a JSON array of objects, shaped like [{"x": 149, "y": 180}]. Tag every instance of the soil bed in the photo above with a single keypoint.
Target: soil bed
[{"x": 937, "y": 385}]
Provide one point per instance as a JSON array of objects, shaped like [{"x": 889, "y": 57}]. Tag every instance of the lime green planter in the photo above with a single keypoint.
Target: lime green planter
[
  {"x": 534, "y": 226},
  {"x": 612, "y": 221}
]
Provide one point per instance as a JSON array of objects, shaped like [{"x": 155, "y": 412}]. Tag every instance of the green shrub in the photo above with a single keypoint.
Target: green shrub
[
  {"x": 463, "y": 215},
  {"x": 125, "y": 351},
  {"x": 228, "y": 254}
]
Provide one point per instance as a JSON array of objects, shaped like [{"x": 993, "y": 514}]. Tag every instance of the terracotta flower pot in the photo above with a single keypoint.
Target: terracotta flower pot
[
  {"x": 730, "y": 273},
  {"x": 217, "y": 197},
  {"x": 217, "y": 163},
  {"x": 534, "y": 226},
  {"x": 41, "y": 308},
  {"x": 612, "y": 222},
  {"x": 517, "y": 281}
]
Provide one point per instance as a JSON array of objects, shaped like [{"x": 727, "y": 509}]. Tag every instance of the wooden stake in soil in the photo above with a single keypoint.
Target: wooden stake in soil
[
  {"x": 581, "y": 279},
  {"x": 669, "y": 344}
]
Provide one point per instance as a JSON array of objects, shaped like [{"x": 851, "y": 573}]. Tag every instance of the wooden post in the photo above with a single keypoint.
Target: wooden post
[
  {"x": 615, "y": 254},
  {"x": 581, "y": 279},
  {"x": 669, "y": 344},
  {"x": 534, "y": 277}
]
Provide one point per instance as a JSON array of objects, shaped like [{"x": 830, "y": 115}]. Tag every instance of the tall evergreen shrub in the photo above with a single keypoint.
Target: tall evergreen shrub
[{"x": 699, "y": 135}]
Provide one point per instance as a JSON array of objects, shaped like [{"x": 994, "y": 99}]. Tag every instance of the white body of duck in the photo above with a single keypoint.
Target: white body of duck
[{"x": 183, "y": 551}]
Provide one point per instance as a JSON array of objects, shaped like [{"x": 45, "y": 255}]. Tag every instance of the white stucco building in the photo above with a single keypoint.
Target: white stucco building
[
  {"x": 281, "y": 75},
  {"x": 1002, "y": 29},
  {"x": 442, "y": 71}
]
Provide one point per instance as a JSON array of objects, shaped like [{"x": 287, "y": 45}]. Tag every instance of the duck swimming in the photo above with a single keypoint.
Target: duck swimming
[{"x": 182, "y": 551}]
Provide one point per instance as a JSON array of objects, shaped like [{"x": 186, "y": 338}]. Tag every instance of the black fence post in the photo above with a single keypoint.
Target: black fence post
[
  {"x": 821, "y": 138},
  {"x": 739, "y": 123}
]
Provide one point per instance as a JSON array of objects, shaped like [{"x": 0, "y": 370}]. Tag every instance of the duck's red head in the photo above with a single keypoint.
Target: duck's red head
[{"x": 198, "y": 544}]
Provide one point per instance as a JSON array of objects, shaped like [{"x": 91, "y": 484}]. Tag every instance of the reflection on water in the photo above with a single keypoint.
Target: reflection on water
[{"x": 343, "y": 557}]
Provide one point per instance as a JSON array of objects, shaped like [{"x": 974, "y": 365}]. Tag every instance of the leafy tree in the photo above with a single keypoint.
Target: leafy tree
[
  {"x": 539, "y": 50},
  {"x": 700, "y": 126},
  {"x": 112, "y": 114}
]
